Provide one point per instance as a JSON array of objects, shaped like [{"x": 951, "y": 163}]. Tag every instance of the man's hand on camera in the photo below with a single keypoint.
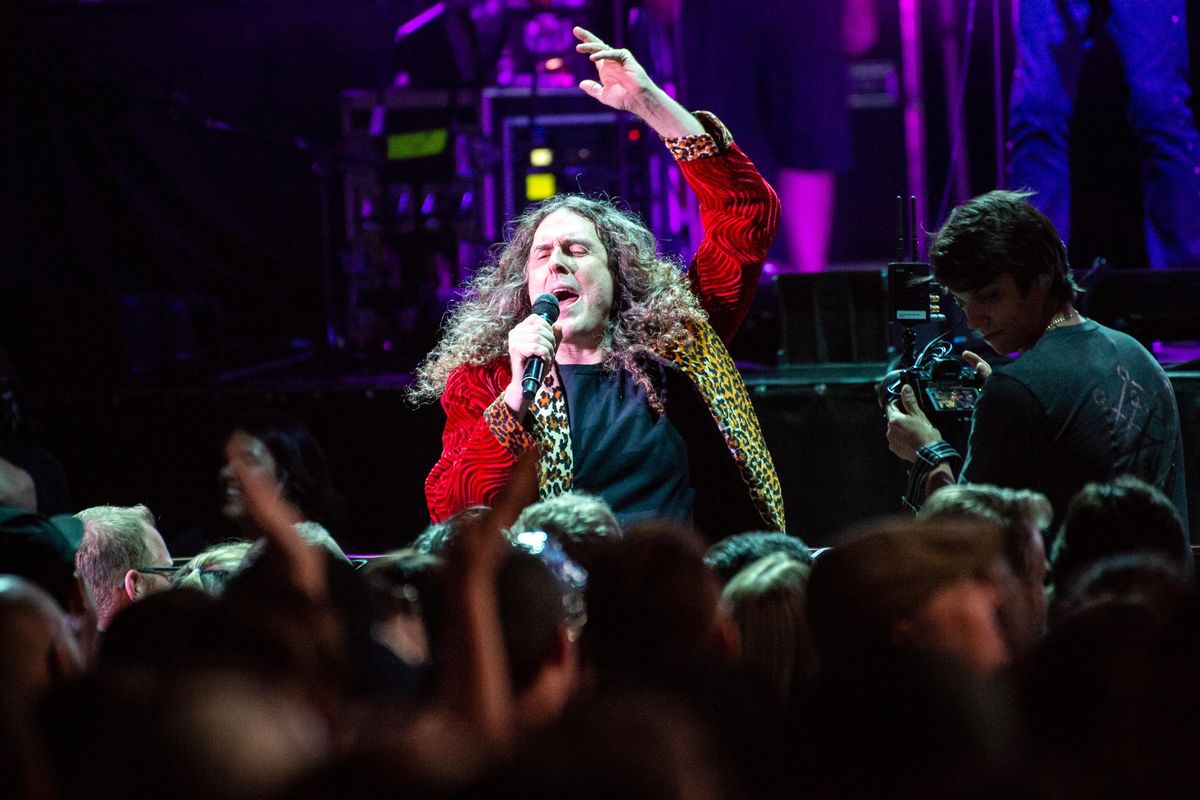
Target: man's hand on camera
[
  {"x": 983, "y": 368},
  {"x": 907, "y": 426}
]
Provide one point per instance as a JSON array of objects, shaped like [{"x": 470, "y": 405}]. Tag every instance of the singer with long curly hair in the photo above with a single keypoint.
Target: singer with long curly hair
[{"x": 633, "y": 395}]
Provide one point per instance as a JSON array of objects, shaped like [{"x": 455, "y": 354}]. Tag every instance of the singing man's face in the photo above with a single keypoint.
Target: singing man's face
[{"x": 568, "y": 261}]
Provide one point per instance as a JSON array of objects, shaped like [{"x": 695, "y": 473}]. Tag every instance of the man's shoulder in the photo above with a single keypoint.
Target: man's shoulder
[{"x": 1078, "y": 359}]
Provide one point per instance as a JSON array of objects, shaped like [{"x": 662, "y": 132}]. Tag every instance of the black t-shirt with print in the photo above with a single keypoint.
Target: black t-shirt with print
[{"x": 1085, "y": 403}]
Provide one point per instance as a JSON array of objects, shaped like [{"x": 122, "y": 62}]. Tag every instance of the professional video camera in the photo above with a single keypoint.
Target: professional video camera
[{"x": 945, "y": 387}]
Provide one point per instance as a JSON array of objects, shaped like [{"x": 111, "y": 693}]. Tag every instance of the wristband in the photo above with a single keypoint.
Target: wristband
[{"x": 929, "y": 457}]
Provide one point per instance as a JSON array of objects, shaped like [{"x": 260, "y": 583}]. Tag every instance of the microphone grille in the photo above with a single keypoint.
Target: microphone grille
[{"x": 546, "y": 307}]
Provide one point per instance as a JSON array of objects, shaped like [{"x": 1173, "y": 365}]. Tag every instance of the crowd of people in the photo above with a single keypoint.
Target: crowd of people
[
  {"x": 548, "y": 650},
  {"x": 605, "y": 602}
]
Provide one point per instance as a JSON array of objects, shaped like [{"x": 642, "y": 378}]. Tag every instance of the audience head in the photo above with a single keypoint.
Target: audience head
[
  {"x": 205, "y": 735},
  {"x": 1143, "y": 577},
  {"x": 895, "y": 585},
  {"x": 654, "y": 608},
  {"x": 766, "y": 600},
  {"x": 315, "y": 533},
  {"x": 211, "y": 569},
  {"x": 43, "y": 550},
  {"x": 285, "y": 449},
  {"x": 1109, "y": 696},
  {"x": 630, "y": 744},
  {"x": 173, "y": 635},
  {"x": 122, "y": 558},
  {"x": 1125, "y": 515},
  {"x": 578, "y": 521},
  {"x": 733, "y": 553},
  {"x": 436, "y": 537},
  {"x": 1021, "y": 515}
]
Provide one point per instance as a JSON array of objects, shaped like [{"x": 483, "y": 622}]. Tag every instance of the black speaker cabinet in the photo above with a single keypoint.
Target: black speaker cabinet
[
  {"x": 1149, "y": 305},
  {"x": 832, "y": 317}
]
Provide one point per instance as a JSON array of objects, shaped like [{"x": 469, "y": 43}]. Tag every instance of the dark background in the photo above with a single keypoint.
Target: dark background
[{"x": 161, "y": 229}]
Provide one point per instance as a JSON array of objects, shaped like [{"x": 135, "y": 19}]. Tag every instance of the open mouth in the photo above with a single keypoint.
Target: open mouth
[{"x": 565, "y": 295}]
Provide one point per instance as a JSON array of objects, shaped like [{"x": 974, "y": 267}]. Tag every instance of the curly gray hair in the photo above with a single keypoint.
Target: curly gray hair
[{"x": 652, "y": 303}]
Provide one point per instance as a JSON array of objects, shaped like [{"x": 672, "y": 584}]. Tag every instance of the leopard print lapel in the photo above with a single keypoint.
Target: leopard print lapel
[
  {"x": 706, "y": 361},
  {"x": 552, "y": 429}
]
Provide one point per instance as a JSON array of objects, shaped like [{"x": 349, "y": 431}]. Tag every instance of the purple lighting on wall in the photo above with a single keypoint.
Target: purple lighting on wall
[{"x": 914, "y": 108}]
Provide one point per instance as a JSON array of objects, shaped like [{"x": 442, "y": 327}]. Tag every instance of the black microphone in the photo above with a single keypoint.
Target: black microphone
[{"x": 546, "y": 307}]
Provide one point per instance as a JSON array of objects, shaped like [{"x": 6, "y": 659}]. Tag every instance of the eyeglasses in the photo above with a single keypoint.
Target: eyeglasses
[{"x": 164, "y": 571}]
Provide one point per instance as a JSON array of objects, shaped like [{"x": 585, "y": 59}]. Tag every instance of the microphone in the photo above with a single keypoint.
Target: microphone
[{"x": 546, "y": 307}]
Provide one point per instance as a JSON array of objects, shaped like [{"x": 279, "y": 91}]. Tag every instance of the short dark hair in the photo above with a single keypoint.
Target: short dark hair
[
  {"x": 1000, "y": 233},
  {"x": 1124, "y": 515},
  {"x": 733, "y": 553},
  {"x": 422, "y": 571},
  {"x": 1142, "y": 578}
]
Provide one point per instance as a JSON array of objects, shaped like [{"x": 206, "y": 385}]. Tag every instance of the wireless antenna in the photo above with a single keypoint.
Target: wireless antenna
[{"x": 912, "y": 227}]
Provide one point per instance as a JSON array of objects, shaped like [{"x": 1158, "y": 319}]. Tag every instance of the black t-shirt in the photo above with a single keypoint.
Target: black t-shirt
[
  {"x": 1085, "y": 403},
  {"x": 623, "y": 451}
]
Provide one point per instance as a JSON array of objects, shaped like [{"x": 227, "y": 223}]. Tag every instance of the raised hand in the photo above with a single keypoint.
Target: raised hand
[
  {"x": 622, "y": 79},
  {"x": 625, "y": 86},
  {"x": 275, "y": 517}
]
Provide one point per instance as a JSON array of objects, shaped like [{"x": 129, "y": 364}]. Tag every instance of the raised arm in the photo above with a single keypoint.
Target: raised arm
[
  {"x": 739, "y": 212},
  {"x": 738, "y": 209}
]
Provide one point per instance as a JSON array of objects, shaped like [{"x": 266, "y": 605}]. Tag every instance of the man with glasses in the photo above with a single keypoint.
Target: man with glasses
[{"x": 122, "y": 558}]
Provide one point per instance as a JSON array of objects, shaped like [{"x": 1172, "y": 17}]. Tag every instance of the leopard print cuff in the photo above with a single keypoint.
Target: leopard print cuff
[
  {"x": 714, "y": 141},
  {"x": 507, "y": 429}
]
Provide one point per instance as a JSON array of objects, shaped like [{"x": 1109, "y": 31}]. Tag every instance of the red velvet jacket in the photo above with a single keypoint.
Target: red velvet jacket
[{"x": 482, "y": 439}]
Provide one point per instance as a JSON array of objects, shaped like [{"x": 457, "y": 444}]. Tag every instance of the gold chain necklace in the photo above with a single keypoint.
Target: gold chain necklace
[{"x": 1061, "y": 318}]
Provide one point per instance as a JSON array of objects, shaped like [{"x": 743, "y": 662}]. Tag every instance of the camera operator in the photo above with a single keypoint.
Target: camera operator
[{"x": 1080, "y": 403}]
